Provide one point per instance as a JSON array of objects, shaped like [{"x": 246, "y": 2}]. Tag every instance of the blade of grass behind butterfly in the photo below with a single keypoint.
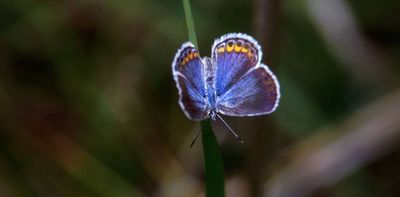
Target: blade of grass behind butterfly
[{"x": 212, "y": 159}]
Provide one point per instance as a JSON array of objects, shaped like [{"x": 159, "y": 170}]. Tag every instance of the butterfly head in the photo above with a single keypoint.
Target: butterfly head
[{"x": 212, "y": 114}]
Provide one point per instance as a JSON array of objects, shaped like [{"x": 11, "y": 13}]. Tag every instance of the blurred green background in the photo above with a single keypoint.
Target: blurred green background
[{"x": 88, "y": 106}]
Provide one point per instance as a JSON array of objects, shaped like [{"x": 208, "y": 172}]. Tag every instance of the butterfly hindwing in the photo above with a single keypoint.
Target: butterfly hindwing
[
  {"x": 256, "y": 93},
  {"x": 188, "y": 72}
]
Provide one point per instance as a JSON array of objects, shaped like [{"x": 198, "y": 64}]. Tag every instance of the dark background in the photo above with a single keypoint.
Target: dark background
[{"x": 88, "y": 106}]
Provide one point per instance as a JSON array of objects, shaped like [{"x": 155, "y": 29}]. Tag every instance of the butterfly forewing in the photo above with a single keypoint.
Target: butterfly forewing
[
  {"x": 188, "y": 72},
  {"x": 234, "y": 55}
]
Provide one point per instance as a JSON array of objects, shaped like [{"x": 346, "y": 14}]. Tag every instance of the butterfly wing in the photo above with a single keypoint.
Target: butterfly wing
[
  {"x": 256, "y": 93},
  {"x": 188, "y": 72},
  {"x": 244, "y": 86}
]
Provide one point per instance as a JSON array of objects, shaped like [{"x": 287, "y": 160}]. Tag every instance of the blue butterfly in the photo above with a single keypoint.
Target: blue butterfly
[{"x": 232, "y": 82}]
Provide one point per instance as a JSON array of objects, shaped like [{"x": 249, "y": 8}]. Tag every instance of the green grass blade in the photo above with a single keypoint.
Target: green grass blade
[
  {"x": 212, "y": 158},
  {"x": 213, "y": 162},
  {"x": 190, "y": 23}
]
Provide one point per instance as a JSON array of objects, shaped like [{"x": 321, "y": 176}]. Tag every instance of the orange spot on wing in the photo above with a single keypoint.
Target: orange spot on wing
[
  {"x": 186, "y": 59},
  {"x": 220, "y": 49},
  {"x": 237, "y": 48},
  {"x": 229, "y": 48},
  {"x": 249, "y": 54}
]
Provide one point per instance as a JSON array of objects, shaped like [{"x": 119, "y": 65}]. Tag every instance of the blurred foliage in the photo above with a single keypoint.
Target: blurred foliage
[{"x": 89, "y": 107}]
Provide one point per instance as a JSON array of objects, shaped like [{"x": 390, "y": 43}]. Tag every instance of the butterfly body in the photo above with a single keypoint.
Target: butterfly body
[
  {"x": 232, "y": 82},
  {"x": 210, "y": 83}
]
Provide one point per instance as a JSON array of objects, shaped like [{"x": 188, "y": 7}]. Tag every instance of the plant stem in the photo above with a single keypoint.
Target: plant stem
[
  {"x": 190, "y": 23},
  {"x": 212, "y": 161}
]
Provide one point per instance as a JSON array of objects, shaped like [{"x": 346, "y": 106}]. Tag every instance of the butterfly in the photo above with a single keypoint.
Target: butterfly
[{"x": 232, "y": 82}]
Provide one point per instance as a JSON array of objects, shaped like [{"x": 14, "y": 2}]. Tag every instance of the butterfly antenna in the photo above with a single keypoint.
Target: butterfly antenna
[
  {"x": 230, "y": 129},
  {"x": 195, "y": 138}
]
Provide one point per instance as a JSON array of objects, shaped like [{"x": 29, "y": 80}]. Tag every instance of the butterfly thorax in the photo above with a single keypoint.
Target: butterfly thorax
[{"x": 210, "y": 85}]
